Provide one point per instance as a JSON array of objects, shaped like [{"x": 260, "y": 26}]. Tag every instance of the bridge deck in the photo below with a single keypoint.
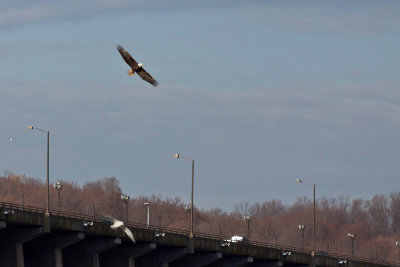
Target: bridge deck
[{"x": 30, "y": 238}]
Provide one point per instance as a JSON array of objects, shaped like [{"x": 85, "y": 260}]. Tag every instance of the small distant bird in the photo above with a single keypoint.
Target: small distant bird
[
  {"x": 136, "y": 67},
  {"x": 120, "y": 224}
]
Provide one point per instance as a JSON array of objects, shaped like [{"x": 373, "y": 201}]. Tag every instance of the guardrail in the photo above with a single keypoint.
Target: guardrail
[{"x": 99, "y": 218}]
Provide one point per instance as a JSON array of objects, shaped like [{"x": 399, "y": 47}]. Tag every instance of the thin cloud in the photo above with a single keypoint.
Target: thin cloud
[
  {"x": 311, "y": 104},
  {"x": 369, "y": 18},
  {"x": 15, "y": 16},
  {"x": 44, "y": 11},
  {"x": 343, "y": 16}
]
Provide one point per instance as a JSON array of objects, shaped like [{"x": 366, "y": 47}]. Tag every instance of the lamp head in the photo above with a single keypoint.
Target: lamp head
[
  {"x": 30, "y": 127},
  {"x": 125, "y": 197},
  {"x": 298, "y": 180},
  {"x": 177, "y": 156},
  {"x": 146, "y": 204},
  {"x": 188, "y": 208},
  {"x": 58, "y": 186}
]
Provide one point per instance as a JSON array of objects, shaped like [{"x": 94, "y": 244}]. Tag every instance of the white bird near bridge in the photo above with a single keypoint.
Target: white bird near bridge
[{"x": 120, "y": 224}]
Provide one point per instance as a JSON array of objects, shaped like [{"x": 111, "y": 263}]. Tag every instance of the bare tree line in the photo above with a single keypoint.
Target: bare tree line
[{"x": 375, "y": 221}]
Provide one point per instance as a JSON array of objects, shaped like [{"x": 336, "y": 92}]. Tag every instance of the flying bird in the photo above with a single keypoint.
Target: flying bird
[
  {"x": 136, "y": 67},
  {"x": 120, "y": 224}
]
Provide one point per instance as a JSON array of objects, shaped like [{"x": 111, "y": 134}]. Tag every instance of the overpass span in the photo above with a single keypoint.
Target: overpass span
[{"x": 29, "y": 238}]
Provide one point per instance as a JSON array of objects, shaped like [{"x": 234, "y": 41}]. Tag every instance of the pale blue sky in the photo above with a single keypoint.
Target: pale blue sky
[{"x": 257, "y": 92}]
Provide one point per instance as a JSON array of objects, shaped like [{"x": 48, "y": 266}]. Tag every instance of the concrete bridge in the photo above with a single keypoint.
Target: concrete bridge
[{"x": 30, "y": 238}]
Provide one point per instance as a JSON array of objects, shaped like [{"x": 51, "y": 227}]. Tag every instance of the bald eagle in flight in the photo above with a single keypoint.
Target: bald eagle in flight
[{"x": 136, "y": 67}]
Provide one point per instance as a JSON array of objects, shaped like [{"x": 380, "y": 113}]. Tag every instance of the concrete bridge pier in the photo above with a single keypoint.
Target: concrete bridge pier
[
  {"x": 65, "y": 240},
  {"x": 46, "y": 250},
  {"x": 267, "y": 264},
  {"x": 233, "y": 261},
  {"x": 86, "y": 253},
  {"x": 12, "y": 244},
  {"x": 198, "y": 259},
  {"x": 125, "y": 254},
  {"x": 163, "y": 256}
]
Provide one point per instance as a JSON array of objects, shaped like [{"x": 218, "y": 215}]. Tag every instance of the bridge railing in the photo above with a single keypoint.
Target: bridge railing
[
  {"x": 222, "y": 238},
  {"x": 21, "y": 207}
]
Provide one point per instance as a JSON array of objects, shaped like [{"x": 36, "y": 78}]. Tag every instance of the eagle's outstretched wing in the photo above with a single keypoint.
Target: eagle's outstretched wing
[
  {"x": 127, "y": 57},
  {"x": 146, "y": 76},
  {"x": 129, "y": 234}
]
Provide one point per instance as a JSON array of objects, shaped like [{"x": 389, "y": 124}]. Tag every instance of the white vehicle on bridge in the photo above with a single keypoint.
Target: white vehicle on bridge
[{"x": 238, "y": 239}]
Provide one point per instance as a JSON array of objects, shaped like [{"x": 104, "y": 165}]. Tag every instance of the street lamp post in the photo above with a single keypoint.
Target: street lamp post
[
  {"x": 177, "y": 156},
  {"x": 23, "y": 201},
  {"x": 147, "y": 205},
  {"x": 397, "y": 243},
  {"x": 58, "y": 186},
  {"x": 247, "y": 218},
  {"x": 298, "y": 180},
  {"x": 352, "y": 236},
  {"x": 188, "y": 210},
  {"x": 301, "y": 228},
  {"x": 47, "y": 180},
  {"x": 126, "y": 198}
]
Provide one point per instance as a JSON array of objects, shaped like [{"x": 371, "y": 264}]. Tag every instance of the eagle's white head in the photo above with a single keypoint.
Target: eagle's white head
[{"x": 140, "y": 65}]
